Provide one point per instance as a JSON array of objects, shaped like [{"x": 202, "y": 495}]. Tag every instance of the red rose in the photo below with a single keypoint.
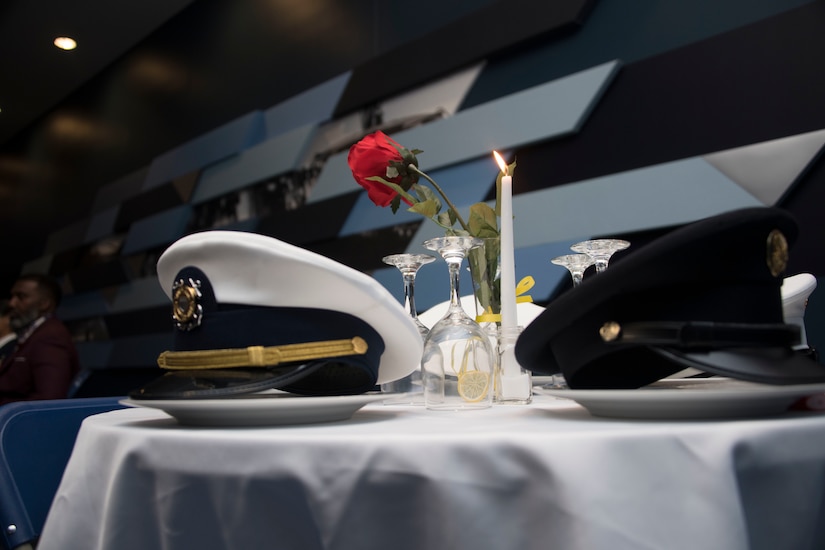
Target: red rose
[{"x": 371, "y": 157}]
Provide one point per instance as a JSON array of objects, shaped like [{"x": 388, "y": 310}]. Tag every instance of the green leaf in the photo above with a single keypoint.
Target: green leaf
[
  {"x": 492, "y": 249},
  {"x": 394, "y": 186},
  {"x": 425, "y": 193},
  {"x": 453, "y": 217},
  {"x": 428, "y": 208},
  {"x": 396, "y": 202},
  {"x": 483, "y": 264},
  {"x": 443, "y": 219},
  {"x": 483, "y": 221},
  {"x": 380, "y": 179}
]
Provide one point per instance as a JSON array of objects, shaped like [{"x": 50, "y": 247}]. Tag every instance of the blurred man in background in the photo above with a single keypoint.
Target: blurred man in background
[
  {"x": 8, "y": 338},
  {"x": 45, "y": 360}
]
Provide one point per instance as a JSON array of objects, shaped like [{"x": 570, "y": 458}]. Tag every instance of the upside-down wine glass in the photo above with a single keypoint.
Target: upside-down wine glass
[
  {"x": 410, "y": 386},
  {"x": 600, "y": 250},
  {"x": 408, "y": 265},
  {"x": 458, "y": 362},
  {"x": 576, "y": 264}
]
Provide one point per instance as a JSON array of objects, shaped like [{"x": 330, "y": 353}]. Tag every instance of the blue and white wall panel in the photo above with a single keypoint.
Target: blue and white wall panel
[{"x": 641, "y": 117}]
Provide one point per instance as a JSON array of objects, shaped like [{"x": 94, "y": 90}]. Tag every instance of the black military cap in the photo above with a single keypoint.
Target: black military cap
[{"x": 706, "y": 295}]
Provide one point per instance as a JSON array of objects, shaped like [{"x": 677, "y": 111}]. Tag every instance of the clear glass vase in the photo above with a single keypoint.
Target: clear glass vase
[{"x": 484, "y": 263}]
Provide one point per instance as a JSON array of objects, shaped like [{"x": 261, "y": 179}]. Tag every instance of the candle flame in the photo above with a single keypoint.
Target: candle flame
[{"x": 501, "y": 163}]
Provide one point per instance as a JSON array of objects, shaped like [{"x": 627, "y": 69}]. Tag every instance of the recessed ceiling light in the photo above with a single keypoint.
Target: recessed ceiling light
[{"x": 65, "y": 43}]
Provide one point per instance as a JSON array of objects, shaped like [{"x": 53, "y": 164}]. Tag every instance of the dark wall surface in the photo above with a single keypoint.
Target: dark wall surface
[{"x": 694, "y": 79}]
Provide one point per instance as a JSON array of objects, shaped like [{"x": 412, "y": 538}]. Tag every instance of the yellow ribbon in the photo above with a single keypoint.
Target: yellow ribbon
[{"x": 523, "y": 286}]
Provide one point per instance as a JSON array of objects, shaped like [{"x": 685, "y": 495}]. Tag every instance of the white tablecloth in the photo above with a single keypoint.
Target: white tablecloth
[{"x": 547, "y": 475}]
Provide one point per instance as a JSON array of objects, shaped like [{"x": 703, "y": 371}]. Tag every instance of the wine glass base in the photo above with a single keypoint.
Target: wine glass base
[
  {"x": 601, "y": 250},
  {"x": 405, "y": 391},
  {"x": 457, "y": 407},
  {"x": 557, "y": 383},
  {"x": 415, "y": 399}
]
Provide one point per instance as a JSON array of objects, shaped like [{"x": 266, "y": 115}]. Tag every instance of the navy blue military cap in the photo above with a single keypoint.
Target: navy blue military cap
[{"x": 706, "y": 295}]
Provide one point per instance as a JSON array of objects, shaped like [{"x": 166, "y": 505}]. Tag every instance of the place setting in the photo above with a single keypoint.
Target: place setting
[
  {"x": 690, "y": 399},
  {"x": 691, "y": 326},
  {"x": 266, "y": 408},
  {"x": 309, "y": 342}
]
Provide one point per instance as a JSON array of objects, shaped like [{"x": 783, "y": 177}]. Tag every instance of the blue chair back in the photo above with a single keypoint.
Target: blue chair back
[{"x": 36, "y": 440}]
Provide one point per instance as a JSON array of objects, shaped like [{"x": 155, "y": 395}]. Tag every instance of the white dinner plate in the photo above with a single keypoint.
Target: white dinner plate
[
  {"x": 699, "y": 398},
  {"x": 261, "y": 409}
]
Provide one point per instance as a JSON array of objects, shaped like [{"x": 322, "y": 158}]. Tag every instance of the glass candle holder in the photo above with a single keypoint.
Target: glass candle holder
[{"x": 514, "y": 384}]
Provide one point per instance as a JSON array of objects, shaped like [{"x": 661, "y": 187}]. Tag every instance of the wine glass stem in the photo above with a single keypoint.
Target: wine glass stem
[
  {"x": 577, "y": 277},
  {"x": 601, "y": 265},
  {"x": 455, "y": 277},
  {"x": 409, "y": 292}
]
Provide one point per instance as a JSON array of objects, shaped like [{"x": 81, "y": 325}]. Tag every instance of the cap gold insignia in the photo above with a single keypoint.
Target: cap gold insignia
[
  {"x": 261, "y": 356},
  {"x": 186, "y": 309},
  {"x": 777, "y": 253},
  {"x": 610, "y": 331}
]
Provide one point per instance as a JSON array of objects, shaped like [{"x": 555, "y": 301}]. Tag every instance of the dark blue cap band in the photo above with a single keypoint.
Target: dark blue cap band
[{"x": 214, "y": 326}]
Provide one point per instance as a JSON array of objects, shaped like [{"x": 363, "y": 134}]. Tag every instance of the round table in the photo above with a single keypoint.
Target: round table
[{"x": 544, "y": 475}]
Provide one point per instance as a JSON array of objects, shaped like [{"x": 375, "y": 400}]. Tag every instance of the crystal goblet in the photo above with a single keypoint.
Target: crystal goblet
[
  {"x": 576, "y": 264},
  {"x": 408, "y": 265},
  {"x": 600, "y": 250},
  {"x": 458, "y": 362},
  {"x": 410, "y": 386}
]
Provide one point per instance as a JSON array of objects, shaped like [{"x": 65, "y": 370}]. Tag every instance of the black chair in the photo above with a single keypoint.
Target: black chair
[{"x": 36, "y": 440}]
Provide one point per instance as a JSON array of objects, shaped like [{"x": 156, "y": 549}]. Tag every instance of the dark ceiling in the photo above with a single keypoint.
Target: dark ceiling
[
  {"x": 148, "y": 76},
  {"x": 43, "y": 125},
  {"x": 37, "y": 75}
]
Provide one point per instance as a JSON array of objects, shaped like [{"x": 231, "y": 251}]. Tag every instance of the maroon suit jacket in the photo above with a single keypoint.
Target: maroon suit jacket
[{"x": 42, "y": 367}]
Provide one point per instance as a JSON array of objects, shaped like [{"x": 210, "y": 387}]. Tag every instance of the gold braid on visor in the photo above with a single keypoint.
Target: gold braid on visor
[{"x": 261, "y": 356}]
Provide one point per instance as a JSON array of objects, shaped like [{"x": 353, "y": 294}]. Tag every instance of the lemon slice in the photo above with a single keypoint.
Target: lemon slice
[{"x": 473, "y": 385}]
